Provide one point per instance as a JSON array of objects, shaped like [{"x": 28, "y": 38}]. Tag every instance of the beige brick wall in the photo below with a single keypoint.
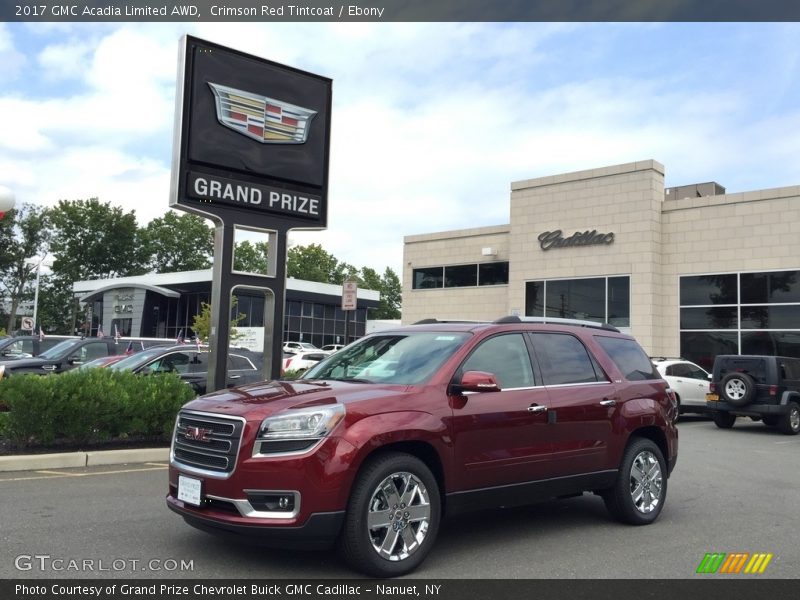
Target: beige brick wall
[{"x": 454, "y": 248}]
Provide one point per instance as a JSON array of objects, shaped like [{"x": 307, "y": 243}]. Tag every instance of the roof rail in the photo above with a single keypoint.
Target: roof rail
[
  {"x": 668, "y": 358},
  {"x": 434, "y": 321},
  {"x": 558, "y": 321}
]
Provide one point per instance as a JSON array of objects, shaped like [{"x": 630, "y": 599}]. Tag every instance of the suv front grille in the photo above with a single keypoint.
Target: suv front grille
[{"x": 207, "y": 442}]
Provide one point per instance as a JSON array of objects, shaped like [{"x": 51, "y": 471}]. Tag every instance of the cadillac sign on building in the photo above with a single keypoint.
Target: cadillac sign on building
[{"x": 254, "y": 137}]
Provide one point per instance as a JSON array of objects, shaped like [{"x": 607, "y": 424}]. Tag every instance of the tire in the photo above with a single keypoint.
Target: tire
[
  {"x": 723, "y": 420},
  {"x": 638, "y": 494},
  {"x": 737, "y": 389},
  {"x": 770, "y": 420},
  {"x": 391, "y": 547},
  {"x": 790, "y": 422}
]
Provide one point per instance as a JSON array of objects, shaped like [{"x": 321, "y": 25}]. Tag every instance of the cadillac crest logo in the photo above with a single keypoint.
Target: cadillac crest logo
[{"x": 264, "y": 119}]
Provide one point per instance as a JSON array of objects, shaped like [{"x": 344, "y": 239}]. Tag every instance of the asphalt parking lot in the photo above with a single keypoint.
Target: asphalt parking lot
[{"x": 732, "y": 491}]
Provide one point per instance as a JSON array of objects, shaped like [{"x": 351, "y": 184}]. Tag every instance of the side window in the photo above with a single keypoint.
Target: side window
[
  {"x": 670, "y": 371},
  {"x": 564, "y": 359},
  {"x": 174, "y": 362},
  {"x": 696, "y": 372},
  {"x": 629, "y": 358},
  {"x": 95, "y": 350},
  {"x": 681, "y": 370},
  {"x": 506, "y": 356},
  {"x": 198, "y": 363},
  {"x": 239, "y": 363}
]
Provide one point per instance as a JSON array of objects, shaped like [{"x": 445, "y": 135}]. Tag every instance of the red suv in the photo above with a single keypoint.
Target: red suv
[{"x": 378, "y": 442}]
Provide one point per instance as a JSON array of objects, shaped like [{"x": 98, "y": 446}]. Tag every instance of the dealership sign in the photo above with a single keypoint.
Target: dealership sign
[
  {"x": 556, "y": 239},
  {"x": 254, "y": 138}
]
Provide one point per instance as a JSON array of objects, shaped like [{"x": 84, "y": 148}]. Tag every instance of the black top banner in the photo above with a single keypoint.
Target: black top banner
[{"x": 265, "y": 11}]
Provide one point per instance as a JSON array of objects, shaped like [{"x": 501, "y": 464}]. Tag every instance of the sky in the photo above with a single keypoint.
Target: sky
[{"x": 431, "y": 122}]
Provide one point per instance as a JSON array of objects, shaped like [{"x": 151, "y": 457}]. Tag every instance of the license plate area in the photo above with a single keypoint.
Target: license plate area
[
  {"x": 190, "y": 490},
  {"x": 712, "y": 398}
]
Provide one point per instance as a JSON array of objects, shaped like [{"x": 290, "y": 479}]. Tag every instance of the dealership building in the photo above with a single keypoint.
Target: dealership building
[
  {"x": 164, "y": 305},
  {"x": 690, "y": 271}
]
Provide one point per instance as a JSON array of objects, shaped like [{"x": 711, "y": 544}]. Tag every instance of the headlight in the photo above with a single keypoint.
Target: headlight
[{"x": 305, "y": 423}]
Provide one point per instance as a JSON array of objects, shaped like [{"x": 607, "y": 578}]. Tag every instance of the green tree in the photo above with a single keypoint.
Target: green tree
[
  {"x": 313, "y": 263},
  {"x": 24, "y": 239},
  {"x": 389, "y": 287},
  {"x": 201, "y": 324},
  {"x": 177, "y": 242},
  {"x": 92, "y": 240},
  {"x": 251, "y": 258}
]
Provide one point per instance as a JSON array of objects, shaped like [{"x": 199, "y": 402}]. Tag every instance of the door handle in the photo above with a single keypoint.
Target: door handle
[
  {"x": 608, "y": 402},
  {"x": 537, "y": 408}
]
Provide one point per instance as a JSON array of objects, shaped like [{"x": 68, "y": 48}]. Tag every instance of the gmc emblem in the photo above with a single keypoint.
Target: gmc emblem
[{"x": 198, "y": 434}]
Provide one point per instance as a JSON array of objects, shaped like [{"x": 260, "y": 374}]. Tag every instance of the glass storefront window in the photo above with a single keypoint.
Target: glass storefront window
[
  {"x": 703, "y": 290},
  {"x": 604, "y": 299},
  {"x": 709, "y": 318},
  {"x": 430, "y": 277},
  {"x": 495, "y": 273},
  {"x": 461, "y": 276},
  {"x": 770, "y": 287}
]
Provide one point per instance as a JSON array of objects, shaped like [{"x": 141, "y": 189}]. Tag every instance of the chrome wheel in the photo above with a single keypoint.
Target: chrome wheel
[
  {"x": 794, "y": 419},
  {"x": 398, "y": 516},
  {"x": 646, "y": 482},
  {"x": 735, "y": 389}
]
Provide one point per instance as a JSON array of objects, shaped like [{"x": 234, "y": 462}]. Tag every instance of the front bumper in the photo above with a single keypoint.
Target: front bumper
[{"x": 318, "y": 532}]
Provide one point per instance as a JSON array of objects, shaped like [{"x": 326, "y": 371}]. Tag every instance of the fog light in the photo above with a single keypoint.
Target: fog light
[{"x": 283, "y": 503}]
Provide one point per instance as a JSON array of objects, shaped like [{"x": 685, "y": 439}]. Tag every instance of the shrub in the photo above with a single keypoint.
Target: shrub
[{"x": 90, "y": 405}]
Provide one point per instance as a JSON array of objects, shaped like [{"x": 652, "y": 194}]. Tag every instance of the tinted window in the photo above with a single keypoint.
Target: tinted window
[
  {"x": 198, "y": 362},
  {"x": 461, "y": 276},
  {"x": 577, "y": 299},
  {"x": 709, "y": 318},
  {"x": 629, "y": 358},
  {"x": 564, "y": 359},
  {"x": 696, "y": 372},
  {"x": 431, "y": 277},
  {"x": 701, "y": 347},
  {"x": 493, "y": 273},
  {"x": 506, "y": 356},
  {"x": 708, "y": 289},
  {"x": 239, "y": 363},
  {"x": 90, "y": 351},
  {"x": 780, "y": 286}
]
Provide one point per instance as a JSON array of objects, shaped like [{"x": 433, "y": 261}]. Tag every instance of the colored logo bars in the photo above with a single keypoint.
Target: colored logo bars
[
  {"x": 264, "y": 119},
  {"x": 734, "y": 563}
]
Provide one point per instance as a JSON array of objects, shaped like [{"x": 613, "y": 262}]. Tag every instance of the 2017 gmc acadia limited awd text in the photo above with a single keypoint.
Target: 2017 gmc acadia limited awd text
[{"x": 378, "y": 442}]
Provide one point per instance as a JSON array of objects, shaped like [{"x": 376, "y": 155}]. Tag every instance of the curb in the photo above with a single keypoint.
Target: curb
[{"x": 65, "y": 460}]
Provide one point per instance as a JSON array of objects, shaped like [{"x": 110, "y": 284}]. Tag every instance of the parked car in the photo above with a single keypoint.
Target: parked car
[
  {"x": 295, "y": 347},
  {"x": 756, "y": 386},
  {"x": 374, "y": 445},
  {"x": 28, "y": 346},
  {"x": 74, "y": 352},
  {"x": 689, "y": 381},
  {"x": 190, "y": 362},
  {"x": 331, "y": 348},
  {"x": 301, "y": 361}
]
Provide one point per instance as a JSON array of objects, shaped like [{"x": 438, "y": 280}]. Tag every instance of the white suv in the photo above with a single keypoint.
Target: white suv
[{"x": 688, "y": 380}]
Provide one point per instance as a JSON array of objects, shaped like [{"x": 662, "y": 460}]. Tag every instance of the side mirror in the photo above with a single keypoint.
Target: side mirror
[{"x": 477, "y": 381}]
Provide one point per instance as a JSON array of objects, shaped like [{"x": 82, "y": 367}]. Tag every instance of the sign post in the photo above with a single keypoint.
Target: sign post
[
  {"x": 251, "y": 149},
  {"x": 349, "y": 304}
]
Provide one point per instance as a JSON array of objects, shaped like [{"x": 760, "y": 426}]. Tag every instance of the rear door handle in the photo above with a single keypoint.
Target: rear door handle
[
  {"x": 537, "y": 408},
  {"x": 608, "y": 403}
]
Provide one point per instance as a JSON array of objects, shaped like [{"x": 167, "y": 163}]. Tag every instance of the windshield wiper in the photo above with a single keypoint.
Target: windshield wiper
[{"x": 349, "y": 379}]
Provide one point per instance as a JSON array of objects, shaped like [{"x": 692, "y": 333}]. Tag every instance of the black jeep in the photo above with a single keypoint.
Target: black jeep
[{"x": 765, "y": 387}]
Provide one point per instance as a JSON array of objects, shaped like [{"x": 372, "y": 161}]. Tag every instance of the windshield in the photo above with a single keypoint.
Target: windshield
[
  {"x": 134, "y": 361},
  {"x": 407, "y": 358},
  {"x": 60, "y": 349}
]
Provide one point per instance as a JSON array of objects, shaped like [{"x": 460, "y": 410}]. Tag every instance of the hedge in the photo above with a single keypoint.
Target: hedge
[{"x": 88, "y": 406}]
